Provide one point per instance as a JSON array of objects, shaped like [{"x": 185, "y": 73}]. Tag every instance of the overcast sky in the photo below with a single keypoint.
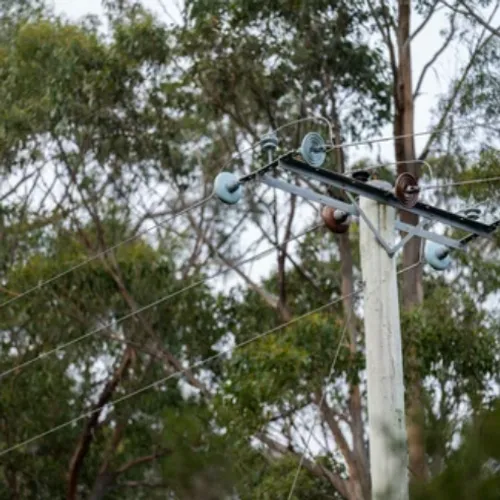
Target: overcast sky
[
  {"x": 423, "y": 48},
  {"x": 425, "y": 45}
]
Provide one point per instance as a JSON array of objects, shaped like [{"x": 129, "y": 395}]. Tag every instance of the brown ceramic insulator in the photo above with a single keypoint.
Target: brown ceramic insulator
[
  {"x": 407, "y": 189},
  {"x": 334, "y": 225}
]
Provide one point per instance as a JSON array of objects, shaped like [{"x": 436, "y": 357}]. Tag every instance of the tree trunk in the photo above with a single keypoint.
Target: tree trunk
[
  {"x": 92, "y": 423},
  {"x": 412, "y": 290},
  {"x": 102, "y": 484}
]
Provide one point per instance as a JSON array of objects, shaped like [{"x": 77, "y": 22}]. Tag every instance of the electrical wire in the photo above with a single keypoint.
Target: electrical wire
[
  {"x": 189, "y": 367},
  {"x": 323, "y": 395},
  {"x": 366, "y": 142},
  {"x": 346, "y": 323},
  {"x": 197, "y": 204},
  {"x": 401, "y": 162},
  {"x": 176, "y": 373},
  {"x": 184, "y": 370},
  {"x": 104, "y": 252},
  {"x": 461, "y": 183},
  {"x": 159, "y": 301},
  {"x": 206, "y": 199}
]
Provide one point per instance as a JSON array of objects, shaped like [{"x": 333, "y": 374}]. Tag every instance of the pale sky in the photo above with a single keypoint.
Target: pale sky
[
  {"x": 424, "y": 46},
  {"x": 428, "y": 41}
]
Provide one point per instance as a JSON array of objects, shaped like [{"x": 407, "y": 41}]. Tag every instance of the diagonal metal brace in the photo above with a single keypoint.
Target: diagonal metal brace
[
  {"x": 373, "y": 229},
  {"x": 386, "y": 197},
  {"x": 309, "y": 194},
  {"x": 354, "y": 209},
  {"x": 428, "y": 235}
]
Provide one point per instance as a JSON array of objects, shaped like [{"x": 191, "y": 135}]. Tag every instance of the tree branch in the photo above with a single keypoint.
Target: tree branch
[
  {"x": 424, "y": 23},
  {"x": 317, "y": 470},
  {"x": 453, "y": 97},
  {"x": 386, "y": 35},
  {"x": 143, "y": 460},
  {"x": 272, "y": 301},
  {"x": 114, "y": 271},
  {"x": 469, "y": 11},
  {"x": 332, "y": 423},
  {"x": 92, "y": 423},
  {"x": 435, "y": 57}
]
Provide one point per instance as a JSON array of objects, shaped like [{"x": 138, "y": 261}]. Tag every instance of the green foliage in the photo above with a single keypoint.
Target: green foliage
[
  {"x": 472, "y": 470},
  {"x": 275, "y": 57},
  {"x": 116, "y": 116}
]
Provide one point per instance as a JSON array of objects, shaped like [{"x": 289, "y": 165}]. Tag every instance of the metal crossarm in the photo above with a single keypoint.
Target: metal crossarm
[{"x": 386, "y": 197}]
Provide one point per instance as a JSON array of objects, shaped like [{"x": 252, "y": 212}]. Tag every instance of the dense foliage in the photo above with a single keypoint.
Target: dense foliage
[{"x": 104, "y": 135}]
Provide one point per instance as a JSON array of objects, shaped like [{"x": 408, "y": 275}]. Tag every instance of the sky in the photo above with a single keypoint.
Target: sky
[
  {"x": 423, "y": 47},
  {"x": 437, "y": 82}
]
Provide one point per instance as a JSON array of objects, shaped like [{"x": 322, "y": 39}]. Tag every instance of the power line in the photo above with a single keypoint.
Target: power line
[
  {"x": 151, "y": 305},
  {"x": 323, "y": 395},
  {"x": 104, "y": 252},
  {"x": 206, "y": 199},
  {"x": 461, "y": 183},
  {"x": 346, "y": 323},
  {"x": 188, "y": 368},
  {"x": 366, "y": 142},
  {"x": 178, "y": 372},
  {"x": 197, "y": 204}
]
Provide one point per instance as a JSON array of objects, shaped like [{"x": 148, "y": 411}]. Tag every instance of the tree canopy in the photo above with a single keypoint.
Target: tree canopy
[{"x": 159, "y": 344}]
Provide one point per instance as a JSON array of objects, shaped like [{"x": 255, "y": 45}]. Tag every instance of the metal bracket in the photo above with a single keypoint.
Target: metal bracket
[
  {"x": 411, "y": 233},
  {"x": 309, "y": 194},
  {"x": 349, "y": 185},
  {"x": 386, "y": 197},
  {"x": 428, "y": 235}
]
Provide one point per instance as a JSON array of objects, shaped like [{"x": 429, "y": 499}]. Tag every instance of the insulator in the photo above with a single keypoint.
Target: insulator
[
  {"x": 472, "y": 213},
  {"x": 269, "y": 142},
  {"x": 407, "y": 189},
  {"x": 361, "y": 175},
  {"x": 335, "y": 220},
  {"x": 437, "y": 256},
  {"x": 313, "y": 149},
  {"x": 228, "y": 188}
]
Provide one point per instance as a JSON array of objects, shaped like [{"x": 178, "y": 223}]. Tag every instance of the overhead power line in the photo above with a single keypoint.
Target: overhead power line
[
  {"x": 191, "y": 367},
  {"x": 201, "y": 202},
  {"x": 176, "y": 373},
  {"x": 157, "y": 302}
]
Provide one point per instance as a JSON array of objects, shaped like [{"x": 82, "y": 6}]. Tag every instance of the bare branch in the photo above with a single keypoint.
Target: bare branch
[
  {"x": 386, "y": 34},
  {"x": 331, "y": 420},
  {"x": 451, "y": 101},
  {"x": 87, "y": 435},
  {"x": 470, "y": 12},
  {"x": 114, "y": 271},
  {"x": 435, "y": 57},
  {"x": 424, "y": 23},
  {"x": 266, "y": 296},
  {"x": 317, "y": 470}
]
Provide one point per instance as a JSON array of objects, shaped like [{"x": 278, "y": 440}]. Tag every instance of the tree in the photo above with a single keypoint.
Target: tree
[
  {"x": 135, "y": 124},
  {"x": 473, "y": 467},
  {"x": 84, "y": 107}
]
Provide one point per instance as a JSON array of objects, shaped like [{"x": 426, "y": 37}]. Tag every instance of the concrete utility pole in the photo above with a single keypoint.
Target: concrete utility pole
[
  {"x": 378, "y": 202},
  {"x": 386, "y": 415}
]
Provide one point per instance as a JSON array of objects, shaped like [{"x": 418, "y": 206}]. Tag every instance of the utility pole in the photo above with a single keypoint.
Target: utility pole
[
  {"x": 376, "y": 208},
  {"x": 386, "y": 411}
]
